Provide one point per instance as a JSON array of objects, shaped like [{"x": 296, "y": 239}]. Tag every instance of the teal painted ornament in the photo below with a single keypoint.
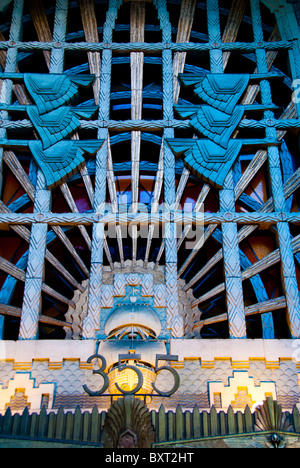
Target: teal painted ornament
[
  {"x": 206, "y": 159},
  {"x": 222, "y": 92},
  {"x": 51, "y": 91},
  {"x": 217, "y": 119},
  {"x": 60, "y": 161},
  {"x": 59, "y": 123},
  {"x": 214, "y": 124},
  {"x": 54, "y": 120}
]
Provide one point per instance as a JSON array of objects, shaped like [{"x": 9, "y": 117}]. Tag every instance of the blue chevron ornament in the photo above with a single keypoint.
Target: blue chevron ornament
[
  {"x": 216, "y": 125},
  {"x": 57, "y": 124},
  {"x": 222, "y": 92},
  {"x": 206, "y": 159},
  {"x": 210, "y": 122},
  {"x": 212, "y": 157},
  {"x": 62, "y": 159},
  {"x": 50, "y": 91},
  {"x": 54, "y": 119}
]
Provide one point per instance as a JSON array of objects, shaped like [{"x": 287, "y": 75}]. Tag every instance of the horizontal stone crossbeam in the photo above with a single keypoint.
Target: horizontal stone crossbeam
[
  {"x": 146, "y": 47},
  {"x": 153, "y": 125},
  {"x": 69, "y": 219}
]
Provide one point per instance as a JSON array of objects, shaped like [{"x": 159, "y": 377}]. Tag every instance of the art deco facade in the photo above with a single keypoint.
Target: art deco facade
[{"x": 149, "y": 222}]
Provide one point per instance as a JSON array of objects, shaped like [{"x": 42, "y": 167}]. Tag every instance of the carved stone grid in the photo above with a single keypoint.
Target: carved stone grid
[
  {"x": 92, "y": 321},
  {"x": 232, "y": 268},
  {"x": 174, "y": 321},
  {"x": 288, "y": 271},
  {"x": 32, "y": 304},
  {"x": 233, "y": 283},
  {"x": 7, "y": 85}
]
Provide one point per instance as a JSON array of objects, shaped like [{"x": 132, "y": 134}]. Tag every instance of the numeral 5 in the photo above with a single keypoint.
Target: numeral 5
[{"x": 167, "y": 357}]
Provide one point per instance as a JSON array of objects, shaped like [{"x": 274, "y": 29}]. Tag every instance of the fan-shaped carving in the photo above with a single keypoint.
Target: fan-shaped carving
[
  {"x": 269, "y": 417},
  {"x": 128, "y": 424},
  {"x": 75, "y": 316},
  {"x": 206, "y": 159}
]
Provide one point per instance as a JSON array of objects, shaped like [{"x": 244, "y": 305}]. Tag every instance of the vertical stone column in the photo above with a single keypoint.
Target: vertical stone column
[
  {"x": 92, "y": 320},
  {"x": 32, "y": 302},
  {"x": 7, "y": 85},
  {"x": 137, "y": 34},
  {"x": 174, "y": 320},
  {"x": 232, "y": 267}
]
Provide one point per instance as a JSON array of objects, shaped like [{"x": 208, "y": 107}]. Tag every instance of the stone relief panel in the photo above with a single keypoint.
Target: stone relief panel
[
  {"x": 149, "y": 284},
  {"x": 61, "y": 383},
  {"x": 240, "y": 391},
  {"x": 33, "y": 394}
]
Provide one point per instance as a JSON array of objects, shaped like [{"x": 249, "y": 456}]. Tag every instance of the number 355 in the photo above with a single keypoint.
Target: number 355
[{"x": 123, "y": 366}]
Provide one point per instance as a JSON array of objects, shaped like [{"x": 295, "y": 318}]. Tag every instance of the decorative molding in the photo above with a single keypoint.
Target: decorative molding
[
  {"x": 156, "y": 125},
  {"x": 128, "y": 425},
  {"x": 54, "y": 121},
  {"x": 263, "y": 217},
  {"x": 146, "y": 47},
  {"x": 207, "y": 159},
  {"x": 62, "y": 159},
  {"x": 152, "y": 287},
  {"x": 241, "y": 381},
  {"x": 217, "y": 120},
  {"x": 33, "y": 394},
  {"x": 269, "y": 417}
]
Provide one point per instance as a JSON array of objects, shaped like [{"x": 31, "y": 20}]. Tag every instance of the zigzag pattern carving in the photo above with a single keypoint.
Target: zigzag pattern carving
[
  {"x": 53, "y": 121},
  {"x": 63, "y": 158},
  {"x": 222, "y": 91},
  {"x": 216, "y": 125},
  {"x": 217, "y": 119},
  {"x": 207, "y": 158},
  {"x": 50, "y": 91}
]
